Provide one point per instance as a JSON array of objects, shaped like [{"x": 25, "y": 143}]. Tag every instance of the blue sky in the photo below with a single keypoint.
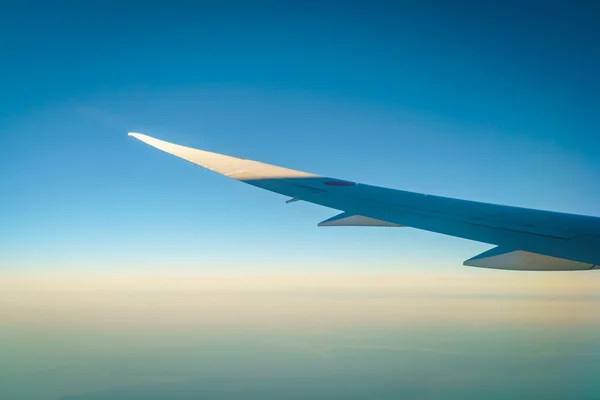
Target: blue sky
[{"x": 495, "y": 101}]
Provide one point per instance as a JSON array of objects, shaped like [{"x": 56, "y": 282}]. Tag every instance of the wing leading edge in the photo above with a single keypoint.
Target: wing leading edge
[{"x": 526, "y": 239}]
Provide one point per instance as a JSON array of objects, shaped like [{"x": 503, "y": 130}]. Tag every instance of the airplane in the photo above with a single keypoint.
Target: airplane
[{"x": 525, "y": 239}]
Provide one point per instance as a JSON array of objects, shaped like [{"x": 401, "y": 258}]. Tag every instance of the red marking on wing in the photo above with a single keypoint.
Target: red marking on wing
[{"x": 339, "y": 183}]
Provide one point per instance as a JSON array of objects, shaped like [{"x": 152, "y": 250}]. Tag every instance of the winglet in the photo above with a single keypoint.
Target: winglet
[{"x": 232, "y": 167}]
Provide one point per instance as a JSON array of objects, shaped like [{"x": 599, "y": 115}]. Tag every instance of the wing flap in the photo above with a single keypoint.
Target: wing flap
[
  {"x": 519, "y": 260},
  {"x": 348, "y": 219}
]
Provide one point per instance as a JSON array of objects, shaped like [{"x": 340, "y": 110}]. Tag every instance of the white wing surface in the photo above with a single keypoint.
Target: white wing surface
[{"x": 526, "y": 239}]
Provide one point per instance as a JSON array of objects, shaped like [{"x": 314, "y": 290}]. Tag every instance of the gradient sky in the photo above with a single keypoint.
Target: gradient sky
[
  {"x": 491, "y": 101},
  {"x": 126, "y": 273}
]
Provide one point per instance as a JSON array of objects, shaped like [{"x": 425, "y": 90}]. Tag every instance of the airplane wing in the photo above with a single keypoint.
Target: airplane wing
[{"x": 525, "y": 239}]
